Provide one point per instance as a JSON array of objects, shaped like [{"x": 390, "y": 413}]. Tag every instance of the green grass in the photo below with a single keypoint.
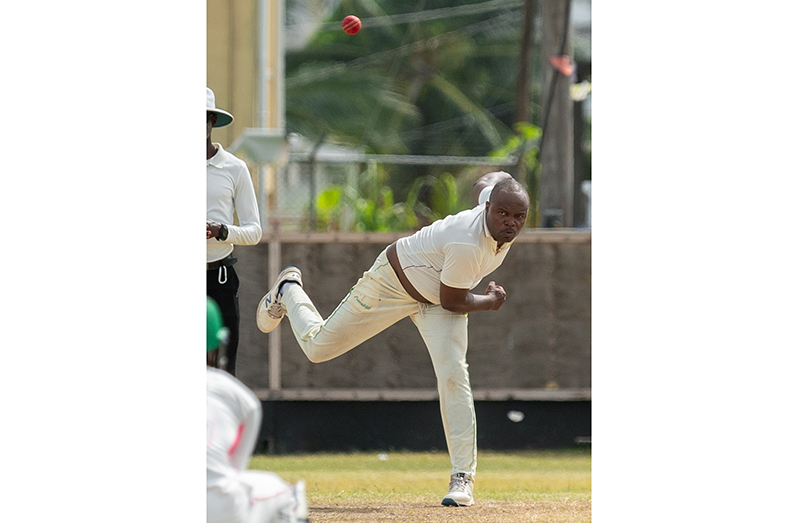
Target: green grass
[{"x": 412, "y": 477}]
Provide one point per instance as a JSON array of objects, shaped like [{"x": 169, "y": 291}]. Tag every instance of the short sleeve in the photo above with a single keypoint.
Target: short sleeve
[{"x": 460, "y": 266}]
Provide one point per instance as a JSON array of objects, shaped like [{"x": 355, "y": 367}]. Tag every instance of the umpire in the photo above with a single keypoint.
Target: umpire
[{"x": 230, "y": 192}]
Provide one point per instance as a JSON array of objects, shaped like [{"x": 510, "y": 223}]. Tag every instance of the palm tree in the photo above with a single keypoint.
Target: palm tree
[{"x": 419, "y": 78}]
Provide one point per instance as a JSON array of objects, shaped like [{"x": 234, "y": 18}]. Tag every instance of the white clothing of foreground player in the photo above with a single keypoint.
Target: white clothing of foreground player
[
  {"x": 427, "y": 276},
  {"x": 235, "y": 494}
]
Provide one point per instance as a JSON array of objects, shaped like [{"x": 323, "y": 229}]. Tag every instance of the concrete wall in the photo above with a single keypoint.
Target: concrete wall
[{"x": 539, "y": 339}]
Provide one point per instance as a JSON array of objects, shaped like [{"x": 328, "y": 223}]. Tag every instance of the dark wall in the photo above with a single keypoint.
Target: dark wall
[
  {"x": 343, "y": 426},
  {"x": 539, "y": 339}
]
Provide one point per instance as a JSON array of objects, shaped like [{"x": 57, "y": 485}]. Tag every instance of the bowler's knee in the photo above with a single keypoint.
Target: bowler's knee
[
  {"x": 314, "y": 355},
  {"x": 317, "y": 359}
]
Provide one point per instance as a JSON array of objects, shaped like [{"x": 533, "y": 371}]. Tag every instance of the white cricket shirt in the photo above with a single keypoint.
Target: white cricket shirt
[
  {"x": 457, "y": 251},
  {"x": 234, "y": 416},
  {"x": 230, "y": 192}
]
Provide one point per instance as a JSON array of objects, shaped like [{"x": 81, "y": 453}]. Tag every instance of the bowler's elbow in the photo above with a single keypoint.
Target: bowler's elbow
[
  {"x": 453, "y": 299},
  {"x": 447, "y": 306},
  {"x": 454, "y": 308}
]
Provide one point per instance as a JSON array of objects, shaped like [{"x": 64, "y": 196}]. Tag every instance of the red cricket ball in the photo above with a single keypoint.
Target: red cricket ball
[{"x": 351, "y": 24}]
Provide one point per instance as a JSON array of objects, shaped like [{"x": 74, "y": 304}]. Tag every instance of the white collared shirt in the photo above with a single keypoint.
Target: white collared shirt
[
  {"x": 230, "y": 193},
  {"x": 457, "y": 251}
]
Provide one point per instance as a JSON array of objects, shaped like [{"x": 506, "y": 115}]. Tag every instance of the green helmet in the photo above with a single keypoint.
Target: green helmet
[{"x": 217, "y": 332}]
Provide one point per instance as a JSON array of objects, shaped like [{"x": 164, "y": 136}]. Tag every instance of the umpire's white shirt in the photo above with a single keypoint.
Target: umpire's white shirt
[
  {"x": 457, "y": 251},
  {"x": 230, "y": 192}
]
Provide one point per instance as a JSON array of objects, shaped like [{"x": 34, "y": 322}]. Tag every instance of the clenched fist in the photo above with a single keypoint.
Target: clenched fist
[{"x": 497, "y": 293}]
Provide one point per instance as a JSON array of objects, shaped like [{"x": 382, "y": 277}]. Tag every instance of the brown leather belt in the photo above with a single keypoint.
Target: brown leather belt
[{"x": 393, "y": 259}]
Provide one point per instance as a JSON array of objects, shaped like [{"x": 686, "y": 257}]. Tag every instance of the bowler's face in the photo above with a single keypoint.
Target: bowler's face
[{"x": 506, "y": 214}]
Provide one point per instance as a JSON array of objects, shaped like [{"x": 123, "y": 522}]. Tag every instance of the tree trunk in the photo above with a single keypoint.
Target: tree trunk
[
  {"x": 557, "y": 147},
  {"x": 522, "y": 83}
]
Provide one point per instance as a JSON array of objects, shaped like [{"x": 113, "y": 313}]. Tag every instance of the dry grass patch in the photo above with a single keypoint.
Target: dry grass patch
[
  {"x": 482, "y": 512},
  {"x": 542, "y": 486}
]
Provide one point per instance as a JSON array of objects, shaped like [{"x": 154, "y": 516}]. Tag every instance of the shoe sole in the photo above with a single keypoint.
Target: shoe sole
[
  {"x": 281, "y": 278},
  {"x": 449, "y": 502},
  {"x": 266, "y": 328}
]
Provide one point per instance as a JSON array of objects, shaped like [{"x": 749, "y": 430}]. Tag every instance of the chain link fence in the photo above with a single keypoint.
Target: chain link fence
[{"x": 326, "y": 187}]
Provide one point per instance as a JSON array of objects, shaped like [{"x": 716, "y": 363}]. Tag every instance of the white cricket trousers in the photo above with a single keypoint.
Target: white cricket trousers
[
  {"x": 250, "y": 497},
  {"x": 376, "y": 302}
]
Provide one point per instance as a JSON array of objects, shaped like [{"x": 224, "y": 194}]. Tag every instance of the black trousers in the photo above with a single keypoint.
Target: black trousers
[{"x": 222, "y": 286}]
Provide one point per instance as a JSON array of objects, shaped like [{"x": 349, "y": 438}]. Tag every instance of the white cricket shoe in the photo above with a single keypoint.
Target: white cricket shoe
[
  {"x": 461, "y": 488},
  {"x": 270, "y": 309}
]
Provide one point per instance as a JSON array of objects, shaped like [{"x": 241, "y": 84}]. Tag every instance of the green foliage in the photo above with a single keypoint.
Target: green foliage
[
  {"x": 328, "y": 207},
  {"x": 443, "y": 197},
  {"x": 525, "y": 133},
  {"x": 371, "y": 207},
  {"x": 426, "y": 87},
  {"x": 435, "y": 87}
]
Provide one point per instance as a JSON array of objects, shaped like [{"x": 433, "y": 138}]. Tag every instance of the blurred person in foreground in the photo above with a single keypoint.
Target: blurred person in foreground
[
  {"x": 235, "y": 494},
  {"x": 229, "y": 192},
  {"x": 427, "y": 276}
]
